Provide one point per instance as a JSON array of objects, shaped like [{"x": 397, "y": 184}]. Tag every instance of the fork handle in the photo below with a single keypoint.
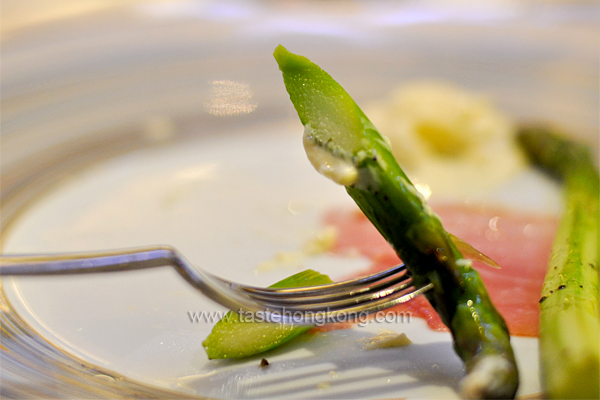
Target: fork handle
[{"x": 87, "y": 262}]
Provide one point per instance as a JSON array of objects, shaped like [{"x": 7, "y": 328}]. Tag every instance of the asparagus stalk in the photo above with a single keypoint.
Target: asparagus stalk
[
  {"x": 569, "y": 320},
  {"x": 344, "y": 145}
]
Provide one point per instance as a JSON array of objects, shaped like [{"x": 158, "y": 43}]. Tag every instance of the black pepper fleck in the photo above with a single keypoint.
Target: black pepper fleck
[
  {"x": 264, "y": 363},
  {"x": 561, "y": 287}
]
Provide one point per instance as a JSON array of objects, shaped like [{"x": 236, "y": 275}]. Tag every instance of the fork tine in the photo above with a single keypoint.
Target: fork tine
[
  {"x": 347, "y": 313},
  {"x": 344, "y": 307},
  {"x": 339, "y": 302},
  {"x": 317, "y": 305},
  {"x": 335, "y": 287},
  {"x": 332, "y": 293}
]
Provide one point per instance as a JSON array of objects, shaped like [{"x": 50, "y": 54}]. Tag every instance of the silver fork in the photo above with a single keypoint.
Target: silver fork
[{"x": 337, "y": 302}]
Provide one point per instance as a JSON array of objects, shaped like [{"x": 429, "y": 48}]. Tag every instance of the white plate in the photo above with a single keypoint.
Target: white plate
[
  {"x": 232, "y": 191},
  {"x": 228, "y": 203}
]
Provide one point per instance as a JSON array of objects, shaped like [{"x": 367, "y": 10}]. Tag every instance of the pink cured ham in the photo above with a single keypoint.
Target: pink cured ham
[{"x": 519, "y": 243}]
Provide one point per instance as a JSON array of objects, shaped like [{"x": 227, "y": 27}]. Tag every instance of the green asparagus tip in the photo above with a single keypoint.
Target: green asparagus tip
[
  {"x": 552, "y": 151},
  {"x": 290, "y": 61}
]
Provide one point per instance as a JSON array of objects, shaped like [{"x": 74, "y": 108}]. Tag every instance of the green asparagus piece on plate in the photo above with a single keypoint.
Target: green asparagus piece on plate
[
  {"x": 569, "y": 320},
  {"x": 238, "y": 335},
  {"x": 343, "y": 144}
]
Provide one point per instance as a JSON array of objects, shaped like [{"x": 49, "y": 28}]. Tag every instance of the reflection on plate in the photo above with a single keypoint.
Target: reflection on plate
[{"x": 163, "y": 165}]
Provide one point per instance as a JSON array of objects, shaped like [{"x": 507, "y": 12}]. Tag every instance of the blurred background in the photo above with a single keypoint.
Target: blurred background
[
  {"x": 80, "y": 76},
  {"x": 67, "y": 38}
]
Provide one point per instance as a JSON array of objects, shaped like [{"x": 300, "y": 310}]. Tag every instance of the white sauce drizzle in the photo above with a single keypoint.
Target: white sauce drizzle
[{"x": 335, "y": 168}]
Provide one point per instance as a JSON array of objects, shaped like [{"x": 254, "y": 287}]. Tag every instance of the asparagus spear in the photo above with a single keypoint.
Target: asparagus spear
[
  {"x": 344, "y": 145},
  {"x": 569, "y": 321}
]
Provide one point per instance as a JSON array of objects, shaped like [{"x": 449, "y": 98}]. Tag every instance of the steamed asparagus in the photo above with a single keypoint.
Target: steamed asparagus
[
  {"x": 344, "y": 145},
  {"x": 569, "y": 320},
  {"x": 238, "y": 335}
]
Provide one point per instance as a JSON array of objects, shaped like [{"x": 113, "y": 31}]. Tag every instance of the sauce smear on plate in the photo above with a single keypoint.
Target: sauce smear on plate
[{"x": 519, "y": 243}]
